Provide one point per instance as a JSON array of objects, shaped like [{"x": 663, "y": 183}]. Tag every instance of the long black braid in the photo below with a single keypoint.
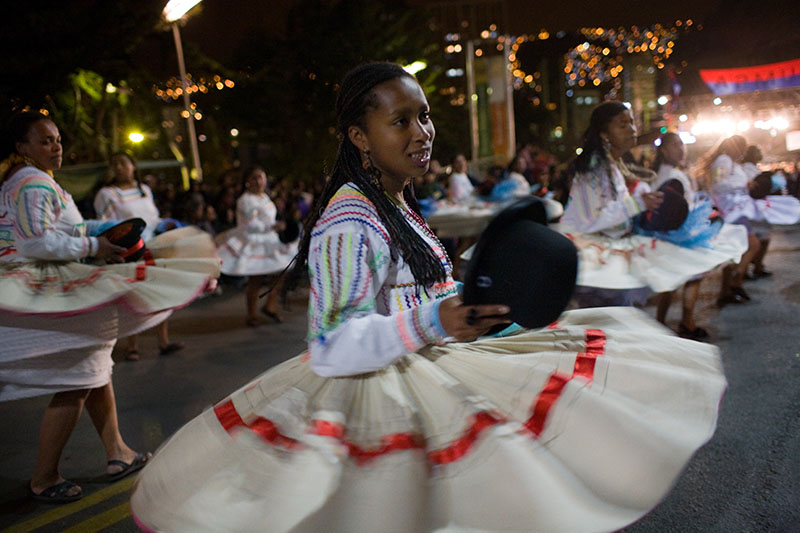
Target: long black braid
[{"x": 355, "y": 97}]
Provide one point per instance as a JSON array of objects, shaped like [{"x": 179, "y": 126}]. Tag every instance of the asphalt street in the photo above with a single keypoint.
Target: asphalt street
[{"x": 746, "y": 479}]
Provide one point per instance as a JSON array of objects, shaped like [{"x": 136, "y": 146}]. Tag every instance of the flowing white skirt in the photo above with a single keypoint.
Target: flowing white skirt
[
  {"x": 582, "y": 426},
  {"x": 775, "y": 209},
  {"x": 635, "y": 261},
  {"x": 245, "y": 253},
  {"x": 58, "y": 320}
]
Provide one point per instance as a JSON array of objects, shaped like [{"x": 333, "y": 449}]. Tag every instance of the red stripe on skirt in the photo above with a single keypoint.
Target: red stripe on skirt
[
  {"x": 584, "y": 367},
  {"x": 229, "y": 418}
]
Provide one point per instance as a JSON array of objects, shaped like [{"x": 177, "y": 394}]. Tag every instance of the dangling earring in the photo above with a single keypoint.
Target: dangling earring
[
  {"x": 373, "y": 173},
  {"x": 606, "y": 146}
]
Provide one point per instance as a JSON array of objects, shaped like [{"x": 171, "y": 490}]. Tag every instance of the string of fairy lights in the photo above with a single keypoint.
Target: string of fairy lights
[
  {"x": 598, "y": 59},
  {"x": 174, "y": 87}
]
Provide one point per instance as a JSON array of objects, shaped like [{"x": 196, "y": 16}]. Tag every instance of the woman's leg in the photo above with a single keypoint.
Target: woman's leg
[
  {"x": 758, "y": 260},
  {"x": 664, "y": 301},
  {"x": 733, "y": 275},
  {"x": 102, "y": 408},
  {"x": 754, "y": 247},
  {"x": 690, "y": 292},
  {"x": 132, "y": 353},
  {"x": 58, "y": 423},
  {"x": 271, "y": 304},
  {"x": 251, "y": 294},
  {"x": 162, "y": 331}
]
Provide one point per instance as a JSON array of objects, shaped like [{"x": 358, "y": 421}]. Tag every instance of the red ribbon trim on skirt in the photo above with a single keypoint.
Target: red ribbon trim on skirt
[
  {"x": 230, "y": 419},
  {"x": 141, "y": 268},
  {"x": 584, "y": 367}
]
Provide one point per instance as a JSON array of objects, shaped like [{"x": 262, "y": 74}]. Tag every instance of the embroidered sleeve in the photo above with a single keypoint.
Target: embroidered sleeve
[
  {"x": 348, "y": 263},
  {"x": 38, "y": 206},
  {"x": 587, "y": 212}
]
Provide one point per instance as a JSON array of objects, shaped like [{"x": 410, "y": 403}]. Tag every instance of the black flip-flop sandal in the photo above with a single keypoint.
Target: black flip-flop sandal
[
  {"x": 127, "y": 468},
  {"x": 171, "y": 348},
  {"x": 57, "y": 493}
]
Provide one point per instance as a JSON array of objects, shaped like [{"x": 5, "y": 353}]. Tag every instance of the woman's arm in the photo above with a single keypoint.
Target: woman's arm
[
  {"x": 587, "y": 212},
  {"x": 348, "y": 263},
  {"x": 38, "y": 208}
]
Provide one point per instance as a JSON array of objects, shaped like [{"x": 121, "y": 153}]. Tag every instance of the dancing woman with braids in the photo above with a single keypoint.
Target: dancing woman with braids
[{"x": 387, "y": 423}]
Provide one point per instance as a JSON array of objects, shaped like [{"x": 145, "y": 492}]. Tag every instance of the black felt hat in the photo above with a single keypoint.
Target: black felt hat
[
  {"x": 521, "y": 263},
  {"x": 761, "y": 186},
  {"x": 128, "y": 234},
  {"x": 672, "y": 212}
]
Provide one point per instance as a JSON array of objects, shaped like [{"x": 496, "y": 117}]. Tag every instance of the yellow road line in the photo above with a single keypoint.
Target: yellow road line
[
  {"x": 102, "y": 520},
  {"x": 70, "y": 508}
]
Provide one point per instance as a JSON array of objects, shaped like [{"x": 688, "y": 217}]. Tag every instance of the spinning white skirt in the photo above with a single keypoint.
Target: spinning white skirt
[
  {"x": 775, "y": 209},
  {"x": 59, "y": 320},
  {"x": 636, "y": 261},
  {"x": 583, "y": 426},
  {"x": 247, "y": 253}
]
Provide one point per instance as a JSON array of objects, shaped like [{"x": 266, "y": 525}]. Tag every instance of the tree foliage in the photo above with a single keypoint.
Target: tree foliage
[{"x": 289, "y": 85}]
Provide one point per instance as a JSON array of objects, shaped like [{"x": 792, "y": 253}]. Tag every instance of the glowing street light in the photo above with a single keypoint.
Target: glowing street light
[
  {"x": 176, "y": 9},
  {"x": 415, "y": 67},
  {"x": 173, "y": 12},
  {"x": 136, "y": 137}
]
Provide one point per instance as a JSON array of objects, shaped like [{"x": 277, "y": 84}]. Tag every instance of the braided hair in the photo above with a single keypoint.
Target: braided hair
[{"x": 356, "y": 97}]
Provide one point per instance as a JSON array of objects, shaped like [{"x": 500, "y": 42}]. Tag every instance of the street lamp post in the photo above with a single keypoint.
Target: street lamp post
[{"x": 173, "y": 12}]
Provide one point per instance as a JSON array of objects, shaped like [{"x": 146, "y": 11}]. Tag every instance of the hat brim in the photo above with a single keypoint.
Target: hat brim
[
  {"x": 520, "y": 262},
  {"x": 128, "y": 234}
]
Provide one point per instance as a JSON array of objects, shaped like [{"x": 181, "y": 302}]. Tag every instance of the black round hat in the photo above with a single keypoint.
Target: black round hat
[
  {"x": 521, "y": 263},
  {"x": 761, "y": 186},
  {"x": 672, "y": 212},
  {"x": 128, "y": 234}
]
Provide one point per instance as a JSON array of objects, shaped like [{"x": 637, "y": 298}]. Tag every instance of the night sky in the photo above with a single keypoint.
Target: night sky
[{"x": 220, "y": 23}]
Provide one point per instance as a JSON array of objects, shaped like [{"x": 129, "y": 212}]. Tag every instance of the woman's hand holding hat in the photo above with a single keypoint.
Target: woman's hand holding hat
[
  {"x": 468, "y": 322},
  {"x": 109, "y": 252},
  {"x": 652, "y": 200}
]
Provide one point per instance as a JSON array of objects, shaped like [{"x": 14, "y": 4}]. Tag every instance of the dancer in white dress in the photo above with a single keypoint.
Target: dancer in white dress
[
  {"x": 122, "y": 197},
  {"x": 59, "y": 318},
  {"x": 381, "y": 426},
  {"x": 253, "y": 248},
  {"x": 670, "y": 159},
  {"x": 618, "y": 266},
  {"x": 722, "y": 173}
]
